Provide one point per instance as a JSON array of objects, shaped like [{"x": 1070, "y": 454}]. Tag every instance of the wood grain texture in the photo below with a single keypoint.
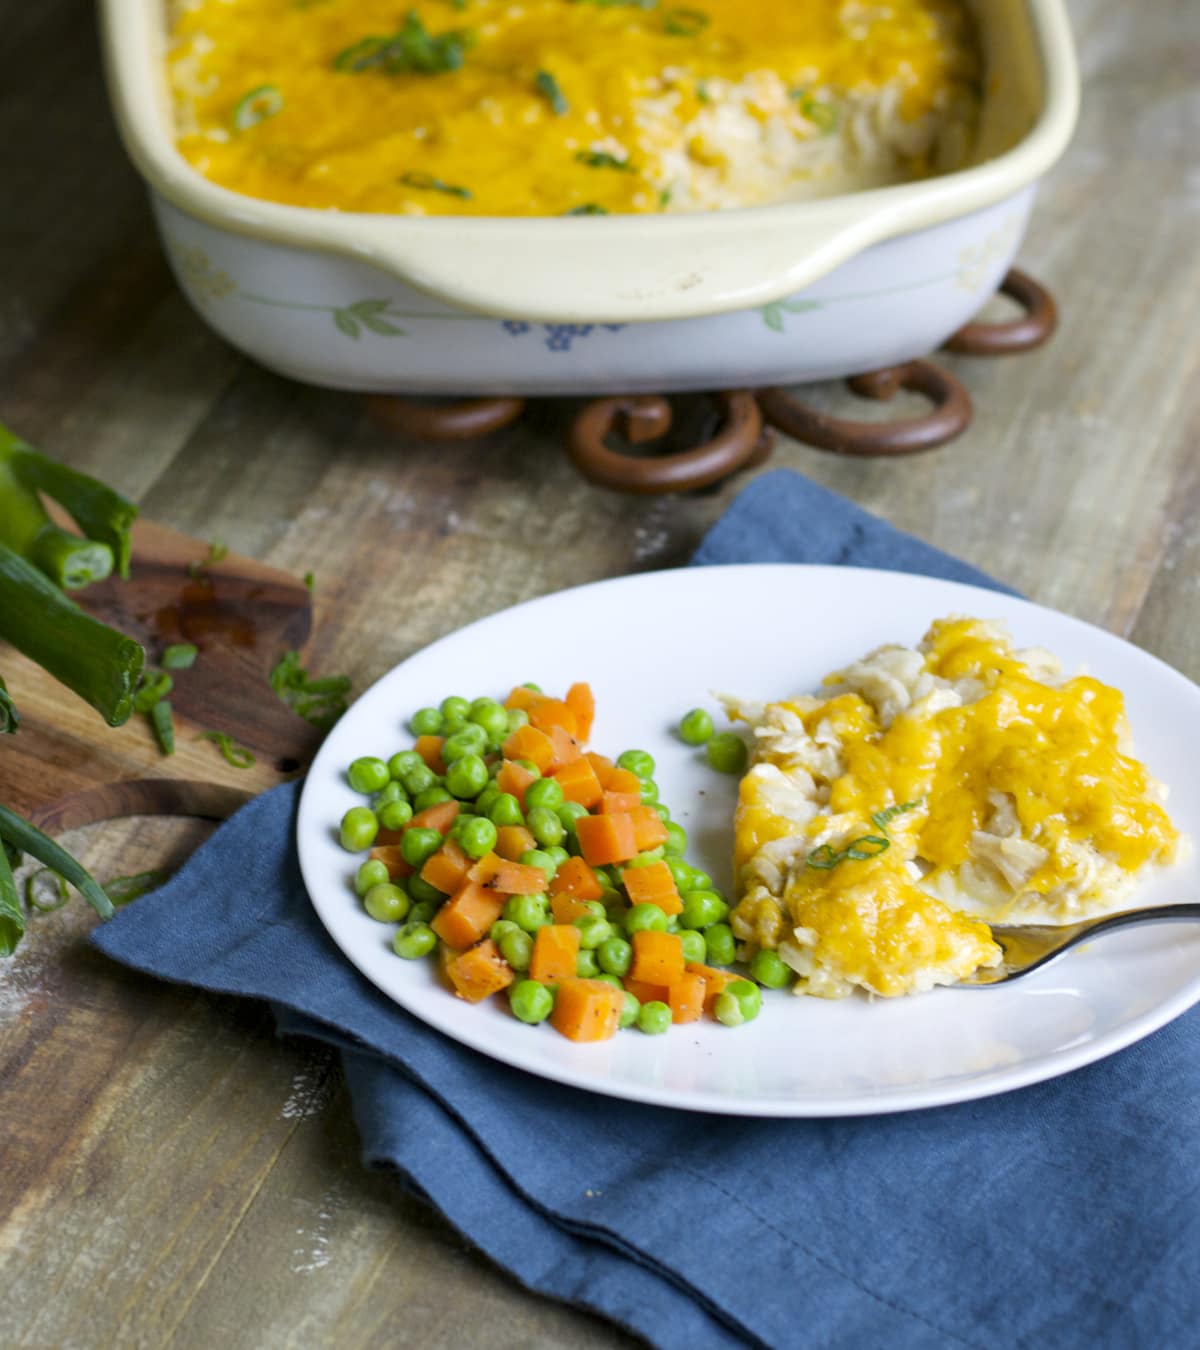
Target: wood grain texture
[{"x": 170, "y": 1173}]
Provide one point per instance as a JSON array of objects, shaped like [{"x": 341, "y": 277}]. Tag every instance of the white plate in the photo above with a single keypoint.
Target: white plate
[{"x": 653, "y": 646}]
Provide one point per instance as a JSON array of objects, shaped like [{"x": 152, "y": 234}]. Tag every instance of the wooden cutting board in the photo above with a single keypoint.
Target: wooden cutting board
[{"x": 66, "y": 768}]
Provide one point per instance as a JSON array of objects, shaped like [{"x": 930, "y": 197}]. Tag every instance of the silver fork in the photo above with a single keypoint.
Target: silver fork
[{"x": 1029, "y": 947}]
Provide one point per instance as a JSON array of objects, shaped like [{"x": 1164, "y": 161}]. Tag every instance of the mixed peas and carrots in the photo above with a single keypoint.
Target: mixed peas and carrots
[{"x": 530, "y": 866}]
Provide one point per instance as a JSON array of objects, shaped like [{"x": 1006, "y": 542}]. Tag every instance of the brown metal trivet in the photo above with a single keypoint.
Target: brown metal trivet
[{"x": 743, "y": 436}]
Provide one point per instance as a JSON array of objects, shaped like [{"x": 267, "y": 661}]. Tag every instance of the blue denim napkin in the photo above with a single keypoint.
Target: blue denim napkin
[{"x": 1064, "y": 1215}]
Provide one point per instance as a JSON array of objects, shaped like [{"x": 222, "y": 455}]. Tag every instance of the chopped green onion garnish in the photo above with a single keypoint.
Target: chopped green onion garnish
[
  {"x": 882, "y": 819},
  {"x": 9, "y": 718},
  {"x": 823, "y": 116},
  {"x": 46, "y": 891},
  {"x": 601, "y": 159},
  {"x": 256, "y": 106},
  {"x": 153, "y": 686},
  {"x": 122, "y": 890},
  {"x": 426, "y": 182},
  {"x": 163, "y": 722},
  {"x": 309, "y": 581},
  {"x": 547, "y": 86},
  {"x": 684, "y": 22},
  {"x": 218, "y": 550},
  {"x": 235, "y": 754},
  {"x": 320, "y": 702},
  {"x": 413, "y": 48},
  {"x": 664, "y": 198},
  {"x": 587, "y": 209},
  {"x": 858, "y": 850},
  {"x": 180, "y": 656}
]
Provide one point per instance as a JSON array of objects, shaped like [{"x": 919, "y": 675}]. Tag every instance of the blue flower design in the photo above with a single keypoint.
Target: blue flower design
[
  {"x": 559, "y": 336},
  {"x": 515, "y": 328}
]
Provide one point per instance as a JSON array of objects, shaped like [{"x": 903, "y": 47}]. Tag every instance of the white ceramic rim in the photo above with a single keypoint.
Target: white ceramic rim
[
  {"x": 618, "y": 269},
  {"x": 522, "y": 1051}
]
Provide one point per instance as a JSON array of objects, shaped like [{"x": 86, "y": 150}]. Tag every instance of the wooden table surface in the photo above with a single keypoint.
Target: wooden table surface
[{"x": 168, "y": 1171}]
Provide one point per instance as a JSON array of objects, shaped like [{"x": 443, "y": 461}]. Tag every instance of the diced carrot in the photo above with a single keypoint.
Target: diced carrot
[
  {"x": 657, "y": 957},
  {"x": 575, "y": 877},
  {"x": 555, "y": 952},
  {"x": 440, "y": 816},
  {"x": 586, "y": 1010},
  {"x": 714, "y": 979},
  {"x": 523, "y": 698},
  {"x": 685, "y": 998},
  {"x": 553, "y": 712},
  {"x": 387, "y": 837},
  {"x": 447, "y": 868},
  {"x": 467, "y": 915},
  {"x": 566, "y": 748},
  {"x": 517, "y": 879},
  {"x": 602, "y": 764},
  {"x": 392, "y": 859},
  {"x": 649, "y": 829},
  {"x": 479, "y": 971},
  {"x": 652, "y": 885},
  {"x": 515, "y": 778},
  {"x": 485, "y": 868},
  {"x": 532, "y": 744},
  {"x": 582, "y": 703},
  {"x": 646, "y": 993},
  {"x": 606, "y": 839},
  {"x": 566, "y": 908},
  {"x": 430, "y": 750},
  {"x": 579, "y": 783},
  {"x": 622, "y": 791},
  {"x": 513, "y": 840}
]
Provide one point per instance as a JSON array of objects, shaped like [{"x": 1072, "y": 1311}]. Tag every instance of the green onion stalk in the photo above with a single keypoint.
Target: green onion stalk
[{"x": 39, "y": 561}]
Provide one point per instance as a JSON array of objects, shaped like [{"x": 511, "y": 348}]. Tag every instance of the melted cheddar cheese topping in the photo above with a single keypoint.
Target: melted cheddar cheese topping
[{"x": 543, "y": 107}]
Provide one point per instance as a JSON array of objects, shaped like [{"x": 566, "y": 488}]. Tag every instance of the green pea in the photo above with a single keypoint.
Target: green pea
[
  {"x": 701, "y": 909},
  {"x": 629, "y": 1011},
  {"x": 614, "y": 955},
  {"x": 693, "y": 944},
  {"x": 402, "y": 761},
  {"x": 610, "y": 874},
  {"x": 676, "y": 844},
  {"x": 517, "y": 948},
  {"x": 636, "y": 761},
  {"x": 419, "y": 844},
  {"x": 360, "y": 825},
  {"x": 528, "y": 912},
  {"x": 455, "y": 707},
  {"x": 654, "y": 1018},
  {"x": 418, "y": 778},
  {"x": 727, "y": 752},
  {"x": 699, "y": 881},
  {"x": 500, "y": 927},
  {"x": 769, "y": 969},
  {"x": 680, "y": 870},
  {"x": 386, "y": 902},
  {"x": 546, "y": 793},
  {"x": 432, "y": 796},
  {"x": 422, "y": 890},
  {"x": 585, "y": 964},
  {"x": 414, "y": 940},
  {"x": 569, "y": 813},
  {"x": 530, "y": 767},
  {"x": 425, "y": 722},
  {"x": 367, "y": 774},
  {"x": 595, "y": 907},
  {"x": 494, "y": 721},
  {"x": 424, "y": 910},
  {"x": 593, "y": 931},
  {"x": 534, "y": 857},
  {"x": 738, "y": 1002},
  {"x": 391, "y": 791},
  {"x": 664, "y": 812},
  {"x": 371, "y": 873},
  {"x": 506, "y": 810},
  {"x": 477, "y": 837},
  {"x": 646, "y": 859},
  {"x": 467, "y": 776},
  {"x": 719, "y": 945},
  {"x": 558, "y": 854},
  {"x": 450, "y": 725},
  {"x": 495, "y": 767},
  {"x": 537, "y": 688},
  {"x": 645, "y": 918},
  {"x": 517, "y": 717},
  {"x": 471, "y": 740},
  {"x": 530, "y": 1002},
  {"x": 696, "y": 727},
  {"x": 396, "y": 815},
  {"x": 649, "y": 792},
  {"x": 487, "y": 799}
]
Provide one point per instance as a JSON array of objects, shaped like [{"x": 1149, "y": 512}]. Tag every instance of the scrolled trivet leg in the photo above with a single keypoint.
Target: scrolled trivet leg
[
  {"x": 463, "y": 420},
  {"x": 1022, "y": 334}
]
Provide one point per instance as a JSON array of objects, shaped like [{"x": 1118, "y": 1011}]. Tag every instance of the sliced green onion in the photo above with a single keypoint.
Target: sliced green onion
[
  {"x": 180, "y": 656},
  {"x": 37, "y": 884},
  {"x": 234, "y": 754},
  {"x": 256, "y": 106},
  {"x": 320, "y": 702},
  {"x": 123, "y": 890},
  {"x": 12, "y": 916},
  {"x": 21, "y": 834},
  {"x": 587, "y": 209},
  {"x": 549, "y": 89},
  {"x": 684, "y": 22},
  {"x": 882, "y": 819},
  {"x": 153, "y": 687},
  {"x": 426, "y": 182},
  {"x": 309, "y": 581},
  {"x": 218, "y": 551},
  {"x": 163, "y": 722},
  {"x": 9, "y": 718},
  {"x": 823, "y": 116},
  {"x": 412, "y": 49},
  {"x": 601, "y": 159}
]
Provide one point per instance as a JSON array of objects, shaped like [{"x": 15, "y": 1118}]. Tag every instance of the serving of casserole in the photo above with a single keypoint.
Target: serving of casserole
[{"x": 459, "y": 198}]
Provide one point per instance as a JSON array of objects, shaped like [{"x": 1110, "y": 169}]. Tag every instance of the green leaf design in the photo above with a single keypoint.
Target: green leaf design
[
  {"x": 773, "y": 314},
  {"x": 800, "y": 306},
  {"x": 345, "y": 323},
  {"x": 773, "y": 317}
]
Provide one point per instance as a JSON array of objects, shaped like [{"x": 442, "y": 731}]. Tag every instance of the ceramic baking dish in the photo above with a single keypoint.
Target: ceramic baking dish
[{"x": 770, "y": 295}]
